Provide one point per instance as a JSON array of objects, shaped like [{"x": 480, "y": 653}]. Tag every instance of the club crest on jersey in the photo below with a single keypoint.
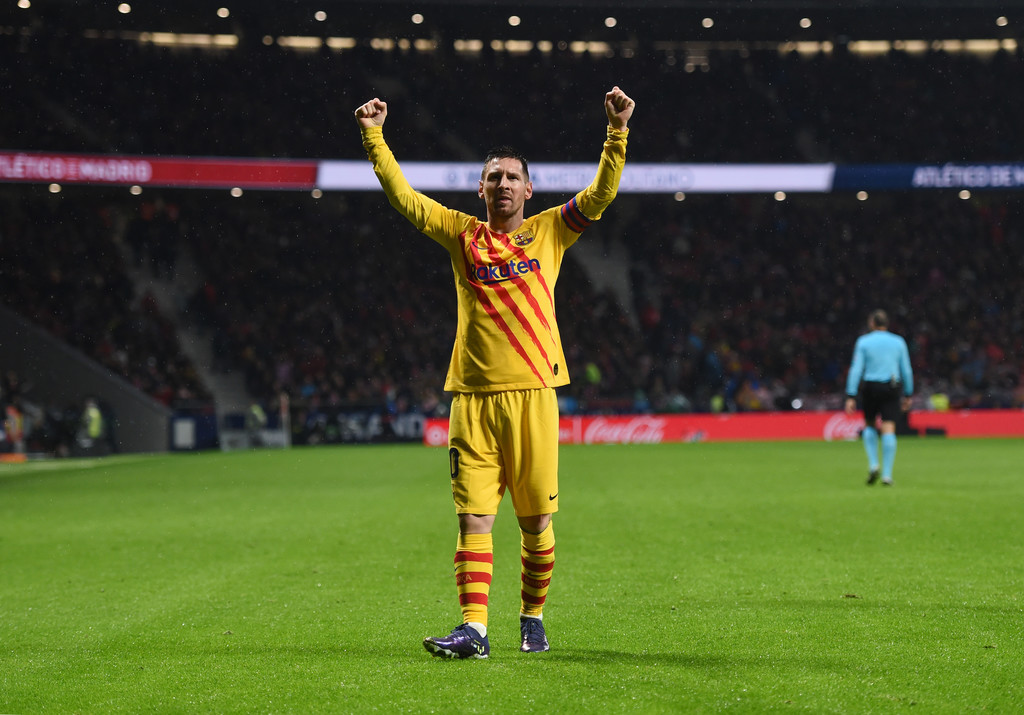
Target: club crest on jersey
[{"x": 523, "y": 239}]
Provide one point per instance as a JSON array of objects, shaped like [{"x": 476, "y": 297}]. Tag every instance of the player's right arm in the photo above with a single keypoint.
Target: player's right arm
[{"x": 415, "y": 206}]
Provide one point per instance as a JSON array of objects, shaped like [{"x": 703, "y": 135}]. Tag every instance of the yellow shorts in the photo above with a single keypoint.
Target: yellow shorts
[{"x": 504, "y": 440}]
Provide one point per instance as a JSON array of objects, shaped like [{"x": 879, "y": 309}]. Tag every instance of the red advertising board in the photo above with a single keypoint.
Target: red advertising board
[
  {"x": 656, "y": 429},
  {"x": 184, "y": 172}
]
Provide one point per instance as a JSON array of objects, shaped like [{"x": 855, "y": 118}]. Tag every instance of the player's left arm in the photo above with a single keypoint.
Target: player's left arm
[
  {"x": 906, "y": 376},
  {"x": 588, "y": 205},
  {"x": 619, "y": 108}
]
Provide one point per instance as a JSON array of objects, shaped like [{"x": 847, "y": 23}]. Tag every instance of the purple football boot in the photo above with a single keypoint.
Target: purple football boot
[
  {"x": 463, "y": 642},
  {"x": 534, "y": 639}
]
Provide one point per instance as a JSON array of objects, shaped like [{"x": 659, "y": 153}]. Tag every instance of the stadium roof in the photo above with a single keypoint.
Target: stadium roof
[{"x": 638, "y": 20}]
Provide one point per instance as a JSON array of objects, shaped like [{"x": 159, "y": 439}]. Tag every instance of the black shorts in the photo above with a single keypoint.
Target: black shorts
[{"x": 881, "y": 398}]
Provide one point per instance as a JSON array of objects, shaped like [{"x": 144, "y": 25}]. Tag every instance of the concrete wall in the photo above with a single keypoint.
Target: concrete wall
[{"x": 60, "y": 375}]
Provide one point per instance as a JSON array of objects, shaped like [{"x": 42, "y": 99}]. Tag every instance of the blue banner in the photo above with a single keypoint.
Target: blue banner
[{"x": 907, "y": 177}]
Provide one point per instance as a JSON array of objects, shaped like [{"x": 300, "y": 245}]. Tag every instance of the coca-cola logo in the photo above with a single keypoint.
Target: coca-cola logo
[
  {"x": 841, "y": 426},
  {"x": 435, "y": 434},
  {"x": 638, "y": 430}
]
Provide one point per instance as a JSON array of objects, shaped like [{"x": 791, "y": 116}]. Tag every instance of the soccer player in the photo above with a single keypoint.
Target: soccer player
[
  {"x": 881, "y": 372},
  {"x": 507, "y": 360}
]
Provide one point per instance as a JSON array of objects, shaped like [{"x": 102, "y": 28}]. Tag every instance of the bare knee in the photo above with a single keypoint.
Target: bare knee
[
  {"x": 476, "y": 523},
  {"x": 534, "y": 524}
]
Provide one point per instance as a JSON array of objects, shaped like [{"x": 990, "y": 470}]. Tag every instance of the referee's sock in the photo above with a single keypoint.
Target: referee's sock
[
  {"x": 888, "y": 455},
  {"x": 870, "y": 437}
]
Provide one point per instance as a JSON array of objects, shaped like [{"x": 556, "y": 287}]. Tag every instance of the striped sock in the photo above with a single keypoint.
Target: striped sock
[
  {"x": 474, "y": 564},
  {"x": 538, "y": 561}
]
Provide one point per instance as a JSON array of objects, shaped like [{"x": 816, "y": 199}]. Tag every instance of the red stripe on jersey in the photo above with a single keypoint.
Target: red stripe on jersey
[
  {"x": 574, "y": 218},
  {"x": 463, "y": 556},
  {"x": 512, "y": 339},
  {"x": 538, "y": 568},
  {"x": 510, "y": 303},
  {"x": 525, "y": 287},
  {"x": 473, "y": 577},
  {"x": 491, "y": 311},
  {"x": 480, "y": 598}
]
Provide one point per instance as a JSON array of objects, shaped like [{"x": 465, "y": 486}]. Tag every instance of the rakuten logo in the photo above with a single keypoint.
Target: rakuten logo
[
  {"x": 839, "y": 426},
  {"x": 505, "y": 271},
  {"x": 639, "y": 430}
]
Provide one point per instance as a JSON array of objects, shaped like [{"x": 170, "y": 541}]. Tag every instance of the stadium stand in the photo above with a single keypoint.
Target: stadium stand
[{"x": 734, "y": 303}]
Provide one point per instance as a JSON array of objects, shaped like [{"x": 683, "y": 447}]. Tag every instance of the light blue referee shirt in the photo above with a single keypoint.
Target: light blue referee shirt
[{"x": 880, "y": 356}]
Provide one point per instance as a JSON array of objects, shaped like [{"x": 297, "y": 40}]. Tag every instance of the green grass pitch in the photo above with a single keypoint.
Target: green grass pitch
[{"x": 755, "y": 577}]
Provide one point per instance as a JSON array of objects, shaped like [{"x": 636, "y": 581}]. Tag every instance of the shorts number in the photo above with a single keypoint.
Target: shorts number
[{"x": 453, "y": 461}]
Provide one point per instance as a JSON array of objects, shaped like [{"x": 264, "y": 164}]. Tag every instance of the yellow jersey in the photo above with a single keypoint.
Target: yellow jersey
[{"x": 507, "y": 335}]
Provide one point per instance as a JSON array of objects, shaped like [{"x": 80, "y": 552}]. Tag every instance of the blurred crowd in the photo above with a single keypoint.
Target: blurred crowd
[
  {"x": 31, "y": 426},
  {"x": 63, "y": 269},
  {"x": 759, "y": 301},
  {"x": 107, "y": 95},
  {"x": 735, "y": 302}
]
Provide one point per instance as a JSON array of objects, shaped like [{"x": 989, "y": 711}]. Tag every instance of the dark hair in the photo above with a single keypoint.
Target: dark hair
[
  {"x": 879, "y": 319},
  {"x": 507, "y": 152}
]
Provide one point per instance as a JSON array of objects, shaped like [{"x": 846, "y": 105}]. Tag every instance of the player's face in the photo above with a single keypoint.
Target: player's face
[{"x": 504, "y": 187}]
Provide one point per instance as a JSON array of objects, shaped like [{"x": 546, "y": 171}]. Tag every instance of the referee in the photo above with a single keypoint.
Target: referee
[{"x": 881, "y": 372}]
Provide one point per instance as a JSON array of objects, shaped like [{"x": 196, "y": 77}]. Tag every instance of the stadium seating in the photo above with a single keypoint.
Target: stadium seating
[{"x": 735, "y": 302}]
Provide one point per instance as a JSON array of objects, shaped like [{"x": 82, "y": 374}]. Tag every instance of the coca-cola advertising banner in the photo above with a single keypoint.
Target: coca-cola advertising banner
[{"x": 829, "y": 426}]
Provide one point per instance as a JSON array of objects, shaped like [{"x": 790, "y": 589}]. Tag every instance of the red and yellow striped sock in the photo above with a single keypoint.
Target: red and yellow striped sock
[
  {"x": 538, "y": 562},
  {"x": 474, "y": 564}
]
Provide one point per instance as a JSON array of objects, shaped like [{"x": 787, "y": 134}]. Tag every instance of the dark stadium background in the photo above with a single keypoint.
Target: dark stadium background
[{"x": 197, "y": 303}]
